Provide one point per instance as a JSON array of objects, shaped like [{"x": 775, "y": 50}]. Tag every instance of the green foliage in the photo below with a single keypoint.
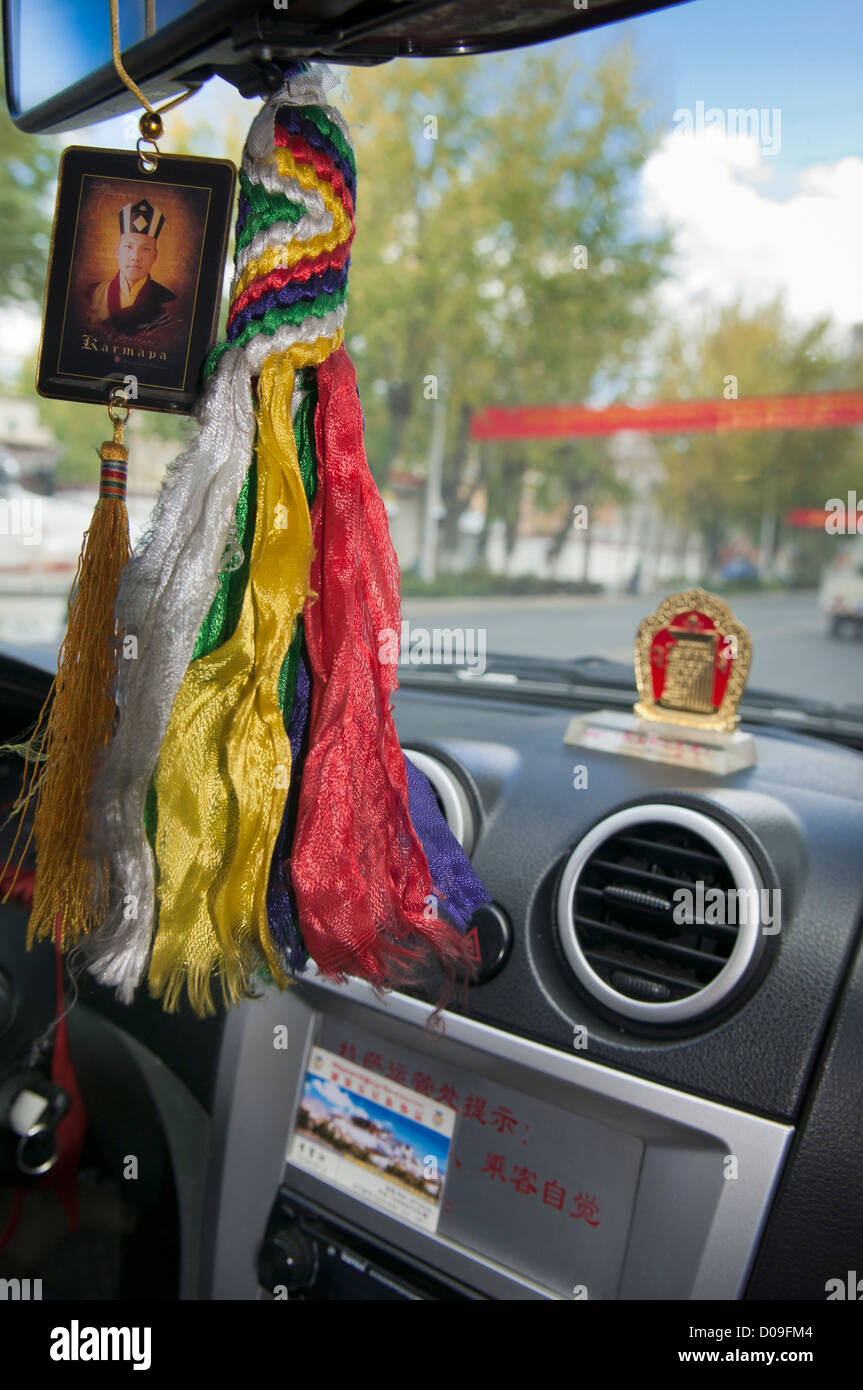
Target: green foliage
[
  {"x": 466, "y": 278},
  {"x": 29, "y": 173},
  {"x": 482, "y": 582},
  {"x": 464, "y": 265},
  {"x": 718, "y": 482}
]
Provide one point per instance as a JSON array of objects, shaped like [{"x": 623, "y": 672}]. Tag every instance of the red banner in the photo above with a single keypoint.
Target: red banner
[
  {"x": 833, "y": 410},
  {"x": 808, "y": 518}
]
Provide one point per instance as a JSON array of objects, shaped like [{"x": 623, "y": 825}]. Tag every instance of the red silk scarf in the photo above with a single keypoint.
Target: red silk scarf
[{"x": 361, "y": 878}]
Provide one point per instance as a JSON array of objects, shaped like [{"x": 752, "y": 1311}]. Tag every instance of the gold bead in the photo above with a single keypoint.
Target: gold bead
[
  {"x": 150, "y": 125},
  {"x": 112, "y": 452}
]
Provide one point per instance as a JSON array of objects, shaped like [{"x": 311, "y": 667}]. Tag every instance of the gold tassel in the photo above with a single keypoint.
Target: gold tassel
[{"x": 78, "y": 716}]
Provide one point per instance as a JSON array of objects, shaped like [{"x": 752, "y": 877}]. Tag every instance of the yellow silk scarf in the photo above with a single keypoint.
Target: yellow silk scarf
[{"x": 224, "y": 767}]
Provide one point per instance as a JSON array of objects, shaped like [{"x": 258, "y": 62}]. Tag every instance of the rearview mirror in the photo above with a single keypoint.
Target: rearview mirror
[{"x": 59, "y": 72}]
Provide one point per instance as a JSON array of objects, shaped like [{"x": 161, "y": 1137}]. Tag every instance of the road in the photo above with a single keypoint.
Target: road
[{"x": 792, "y": 652}]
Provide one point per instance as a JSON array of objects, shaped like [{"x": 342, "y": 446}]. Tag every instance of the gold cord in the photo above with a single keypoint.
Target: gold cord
[
  {"x": 118, "y": 61},
  {"x": 150, "y": 124},
  {"x": 118, "y": 401}
]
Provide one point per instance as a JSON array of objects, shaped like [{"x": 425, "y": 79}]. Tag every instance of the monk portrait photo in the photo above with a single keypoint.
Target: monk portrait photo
[
  {"x": 134, "y": 279},
  {"x": 136, "y": 276},
  {"x": 133, "y": 301}
]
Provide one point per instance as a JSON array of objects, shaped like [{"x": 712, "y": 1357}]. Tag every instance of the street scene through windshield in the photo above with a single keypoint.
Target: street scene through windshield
[{"x": 606, "y": 315}]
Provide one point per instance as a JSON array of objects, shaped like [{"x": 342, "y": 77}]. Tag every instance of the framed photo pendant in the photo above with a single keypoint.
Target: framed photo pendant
[{"x": 135, "y": 277}]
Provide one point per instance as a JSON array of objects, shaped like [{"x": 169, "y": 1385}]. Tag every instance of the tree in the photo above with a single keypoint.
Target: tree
[
  {"x": 500, "y": 253},
  {"x": 581, "y": 469},
  {"x": 29, "y": 176},
  {"x": 715, "y": 483}
]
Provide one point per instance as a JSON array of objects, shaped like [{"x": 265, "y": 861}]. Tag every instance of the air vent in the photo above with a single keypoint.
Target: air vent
[
  {"x": 637, "y": 948},
  {"x": 451, "y": 797}
]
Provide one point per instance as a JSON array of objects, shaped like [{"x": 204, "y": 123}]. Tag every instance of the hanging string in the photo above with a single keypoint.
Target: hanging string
[{"x": 151, "y": 125}]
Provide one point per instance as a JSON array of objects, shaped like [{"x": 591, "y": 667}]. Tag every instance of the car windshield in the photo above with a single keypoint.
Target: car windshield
[{"x": 606, "y": 313}]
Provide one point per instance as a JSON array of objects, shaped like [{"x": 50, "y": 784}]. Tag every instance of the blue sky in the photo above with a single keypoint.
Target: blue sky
[
  {"x": 800, "y": 56},
  {"x": 752, "y": 224}
]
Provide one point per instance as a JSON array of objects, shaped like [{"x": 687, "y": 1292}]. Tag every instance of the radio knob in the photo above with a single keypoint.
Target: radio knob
[{"x": 288, "y": 1258}]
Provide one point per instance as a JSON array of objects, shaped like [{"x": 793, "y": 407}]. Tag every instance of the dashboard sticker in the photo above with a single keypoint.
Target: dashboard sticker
[{"x": 374, "y": 1138}]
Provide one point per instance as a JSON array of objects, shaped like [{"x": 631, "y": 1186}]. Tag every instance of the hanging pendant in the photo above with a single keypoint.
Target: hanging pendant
[{"x": 135, "y": 275}]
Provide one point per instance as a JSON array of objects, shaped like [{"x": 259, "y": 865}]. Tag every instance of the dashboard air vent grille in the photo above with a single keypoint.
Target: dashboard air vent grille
[
  {"x": 625, "y": 912},
  {"x": 659, "y": 912}
]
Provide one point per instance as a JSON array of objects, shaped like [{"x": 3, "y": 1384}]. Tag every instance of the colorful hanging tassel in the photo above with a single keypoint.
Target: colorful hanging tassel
[
  {"x": 70, "y": 887},
  {"x": 166, "y": 590},
  {"x": 256, "y": 696}
]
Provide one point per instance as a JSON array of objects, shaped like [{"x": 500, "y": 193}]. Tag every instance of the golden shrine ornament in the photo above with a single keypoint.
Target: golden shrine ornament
[{"x": 692, "y": 658}]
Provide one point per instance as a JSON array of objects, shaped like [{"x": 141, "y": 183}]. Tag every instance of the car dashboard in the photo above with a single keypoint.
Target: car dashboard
[
  {"x": 719, "y": 1149},
  {"x": 583, "y": 1142}
]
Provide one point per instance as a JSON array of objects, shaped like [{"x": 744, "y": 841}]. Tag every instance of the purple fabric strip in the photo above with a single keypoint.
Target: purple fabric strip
[
  {"x": 332, "y": 280},
  {"x": 460, "y": 890},
  {"x": 281, "y": 920},
  {"x": 243, "y": 206}
]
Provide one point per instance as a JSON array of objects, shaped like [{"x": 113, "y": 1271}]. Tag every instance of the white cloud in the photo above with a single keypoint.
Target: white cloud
[
  {"x": 339, "y": 1100},
  {"x": 733, "y": 240},
  {"x": 329, "y": 1091}
]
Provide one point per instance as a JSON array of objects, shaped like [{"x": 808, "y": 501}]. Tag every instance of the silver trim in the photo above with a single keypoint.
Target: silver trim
[
  {"x": 659, "y": 1245},
  {"x": 457, "y": 810},
  {"x": 745, "y": 876},
  {"x": 693, "y": 1234}
]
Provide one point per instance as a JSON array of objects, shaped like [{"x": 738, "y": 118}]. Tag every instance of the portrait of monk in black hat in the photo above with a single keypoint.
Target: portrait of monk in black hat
[{"x": 133, "y": 302}]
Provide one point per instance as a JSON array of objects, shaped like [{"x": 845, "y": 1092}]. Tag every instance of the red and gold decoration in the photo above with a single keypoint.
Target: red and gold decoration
[{"x": 692, "y": 658}]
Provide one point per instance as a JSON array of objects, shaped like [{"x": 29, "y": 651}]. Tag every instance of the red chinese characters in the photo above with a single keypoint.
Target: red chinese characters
[
  {"x": 447, "y": 1095},
  {"x": 585, "y": 1207},
  {"x": 494, "y": 1166},
  {"x": 474, "y": 1109},
  {"x": 523, "y": 1180},
  {"x": 503, "y": 1120},
  {"x": 553, "y": 1193}
]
